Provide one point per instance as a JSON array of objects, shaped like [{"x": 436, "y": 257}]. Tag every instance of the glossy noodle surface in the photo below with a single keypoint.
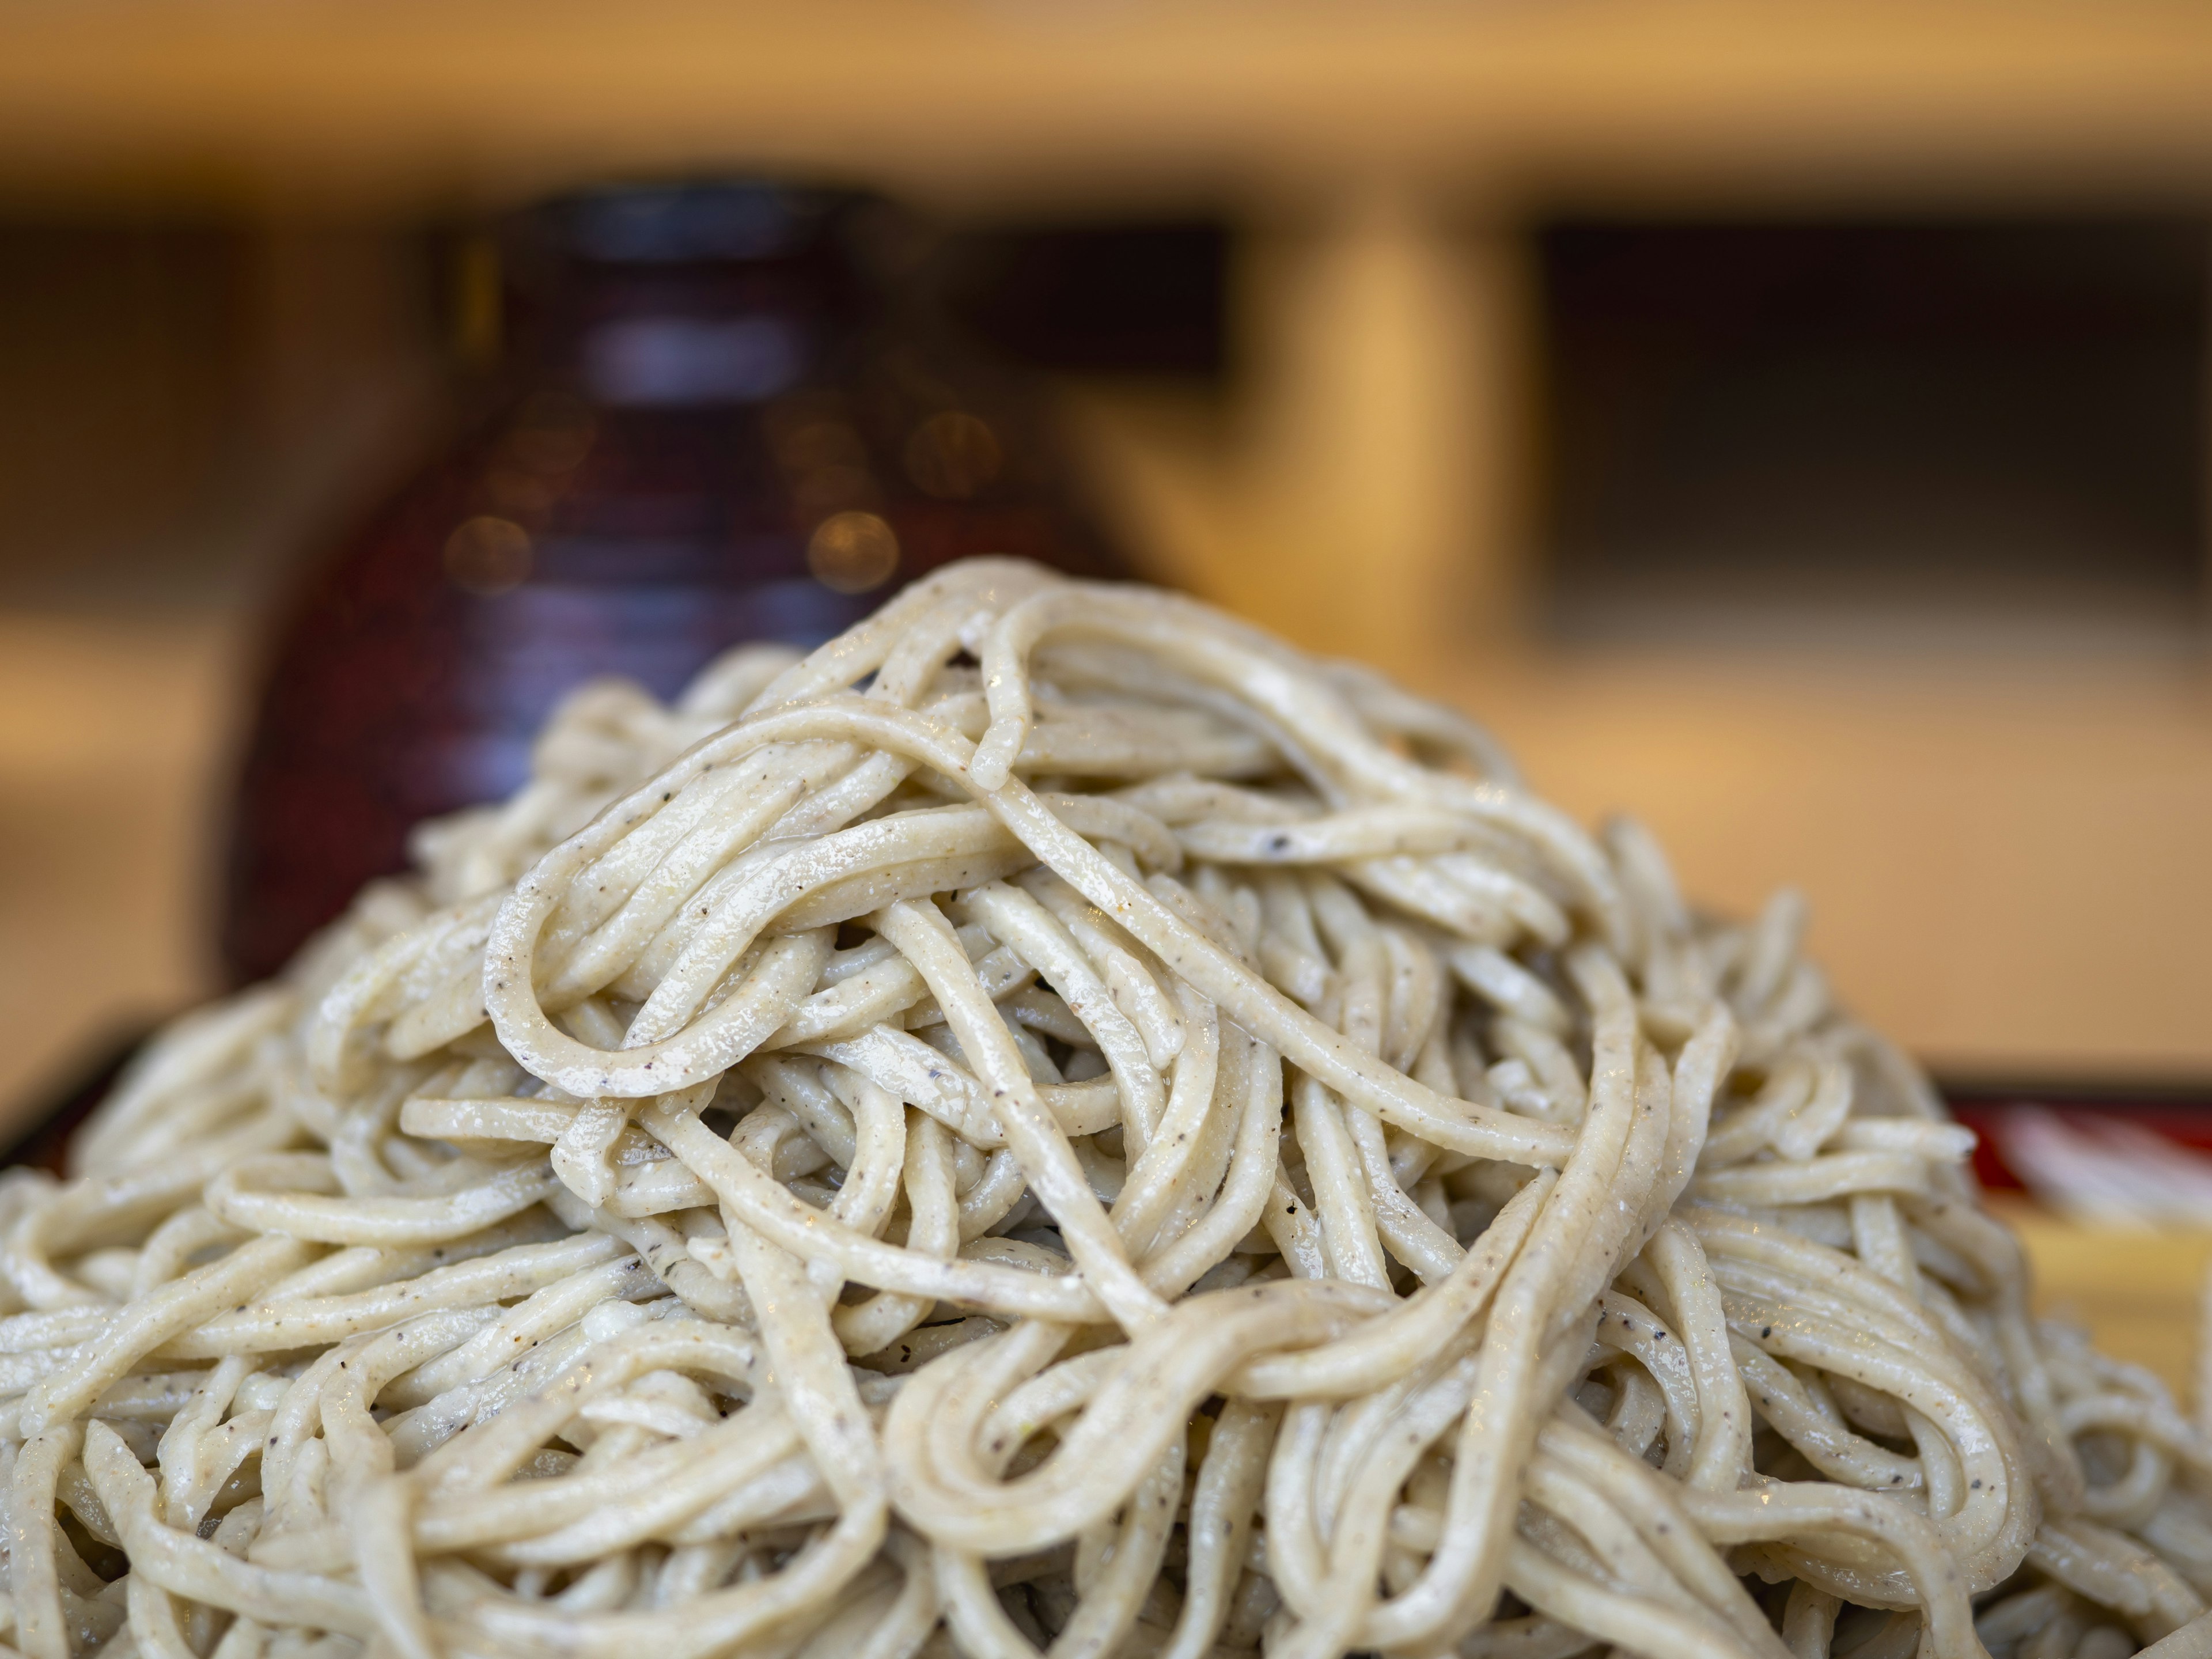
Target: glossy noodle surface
[{"x": 1053, "y": 1124}]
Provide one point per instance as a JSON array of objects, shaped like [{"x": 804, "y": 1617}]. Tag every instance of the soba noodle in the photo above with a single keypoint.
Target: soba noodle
[{"x": 1054, "y": 1123}]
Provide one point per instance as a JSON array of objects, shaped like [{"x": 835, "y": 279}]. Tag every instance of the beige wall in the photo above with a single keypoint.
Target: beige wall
[{"x": 2002, "y": 845}]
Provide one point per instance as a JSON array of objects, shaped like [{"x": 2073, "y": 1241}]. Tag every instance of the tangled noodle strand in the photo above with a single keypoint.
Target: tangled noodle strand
[{"x": 1052, "y": 1124}]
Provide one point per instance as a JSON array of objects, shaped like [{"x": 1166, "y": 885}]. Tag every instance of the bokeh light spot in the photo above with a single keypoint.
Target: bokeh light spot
[
  {"x": 488, "y": 556},
  {"x": 952, "y": 454},
  {"x": 852, "y": 552}
]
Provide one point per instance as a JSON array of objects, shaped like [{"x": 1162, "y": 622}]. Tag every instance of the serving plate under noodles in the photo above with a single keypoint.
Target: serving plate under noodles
[{"x": 1056, "y": 1123}]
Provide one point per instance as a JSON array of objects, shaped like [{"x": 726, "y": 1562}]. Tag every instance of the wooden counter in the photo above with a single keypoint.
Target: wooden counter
[
  {"x": 415, "y": 102},
  {"x": 2139, "y": 1294}
]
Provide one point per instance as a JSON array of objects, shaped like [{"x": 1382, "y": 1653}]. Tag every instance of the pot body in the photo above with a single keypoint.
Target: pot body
[{"x": 720, "y": 417}]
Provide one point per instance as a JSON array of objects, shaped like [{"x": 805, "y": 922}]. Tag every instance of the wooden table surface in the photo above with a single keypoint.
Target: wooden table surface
[{"x": 2139, "y": 1294}]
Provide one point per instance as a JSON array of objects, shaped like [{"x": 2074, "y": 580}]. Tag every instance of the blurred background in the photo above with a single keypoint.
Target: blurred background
[{"x": 1789, "y": 424}]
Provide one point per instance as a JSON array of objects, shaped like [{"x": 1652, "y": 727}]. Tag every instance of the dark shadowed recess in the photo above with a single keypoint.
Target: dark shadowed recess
[
  {"x": 1817, "y": 421},
  {"x": 1130, "y": 299}
]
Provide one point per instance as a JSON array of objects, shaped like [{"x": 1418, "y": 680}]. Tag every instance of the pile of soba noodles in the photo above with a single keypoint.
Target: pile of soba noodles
[{"x": 1054, "y": 1124}]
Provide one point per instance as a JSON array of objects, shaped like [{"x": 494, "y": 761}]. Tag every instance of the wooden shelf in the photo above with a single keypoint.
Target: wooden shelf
[
  {"x": 416, "y": 102},
  {"x": 2140, "y": 1294},
  {"x": 113, "y": 735}
]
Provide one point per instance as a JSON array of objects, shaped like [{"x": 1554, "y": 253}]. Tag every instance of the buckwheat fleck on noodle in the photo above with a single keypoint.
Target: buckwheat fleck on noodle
[{"x": 1053, "y": 1123}]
